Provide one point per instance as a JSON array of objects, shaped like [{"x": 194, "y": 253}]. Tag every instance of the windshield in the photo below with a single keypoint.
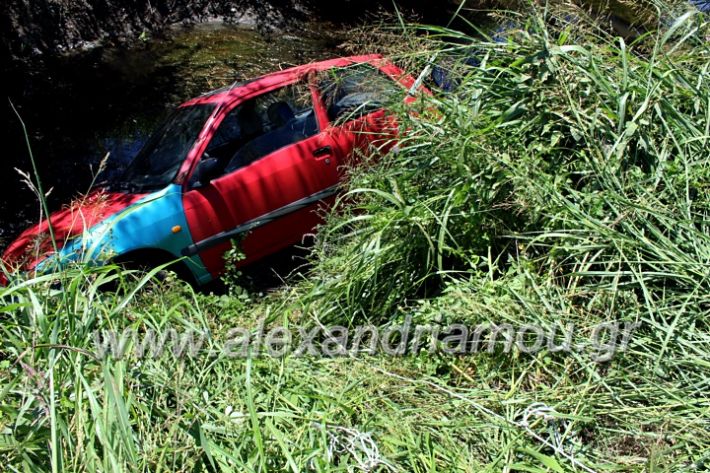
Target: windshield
[{"x": 157, "y": 163}]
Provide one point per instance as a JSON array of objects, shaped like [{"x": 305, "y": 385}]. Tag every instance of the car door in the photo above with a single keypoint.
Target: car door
[{"x": 277, "y": 166}]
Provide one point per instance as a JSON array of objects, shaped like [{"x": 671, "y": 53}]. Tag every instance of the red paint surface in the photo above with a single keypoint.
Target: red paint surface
[{"x": 270, "y": 183}]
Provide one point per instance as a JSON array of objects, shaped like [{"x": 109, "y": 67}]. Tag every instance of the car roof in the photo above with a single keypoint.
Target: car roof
[{"x": 239, "y": 89}]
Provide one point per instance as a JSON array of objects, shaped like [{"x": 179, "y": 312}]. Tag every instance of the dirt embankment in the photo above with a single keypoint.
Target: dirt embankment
[{"x": 30, "y": 28}]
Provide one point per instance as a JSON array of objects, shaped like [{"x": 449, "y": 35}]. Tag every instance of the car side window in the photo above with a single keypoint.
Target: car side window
[
  {"x": 355, "y": 91},
  {"x": 262, "y": 125}
]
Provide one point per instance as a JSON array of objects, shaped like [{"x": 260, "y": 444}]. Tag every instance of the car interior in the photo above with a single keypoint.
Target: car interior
[{"x": 284, "y": 128}]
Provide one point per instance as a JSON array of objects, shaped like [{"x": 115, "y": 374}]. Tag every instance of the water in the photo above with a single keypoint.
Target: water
[{"x": 107, "y": 101}]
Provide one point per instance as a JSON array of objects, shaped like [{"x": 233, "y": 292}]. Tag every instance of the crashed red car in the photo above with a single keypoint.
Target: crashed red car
[{"x": 251, "y": 162}]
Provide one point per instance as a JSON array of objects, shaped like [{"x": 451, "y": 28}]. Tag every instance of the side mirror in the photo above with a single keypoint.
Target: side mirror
[{"x": 207, "y": 169}]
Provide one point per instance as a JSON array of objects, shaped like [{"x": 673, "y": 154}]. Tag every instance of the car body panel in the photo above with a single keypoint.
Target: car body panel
[
  {"x": 283, "y": 177},
  {"x": 156, "y": 221}
]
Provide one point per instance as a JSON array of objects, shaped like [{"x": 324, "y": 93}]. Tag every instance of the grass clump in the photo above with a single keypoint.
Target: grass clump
[{"x": 563, "y": 183}]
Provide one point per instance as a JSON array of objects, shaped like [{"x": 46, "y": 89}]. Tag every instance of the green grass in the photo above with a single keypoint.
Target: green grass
[{"x": 565, "y": 181}]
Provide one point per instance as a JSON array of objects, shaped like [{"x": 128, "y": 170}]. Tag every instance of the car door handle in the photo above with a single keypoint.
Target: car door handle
[{"x": 324, "y": 151}]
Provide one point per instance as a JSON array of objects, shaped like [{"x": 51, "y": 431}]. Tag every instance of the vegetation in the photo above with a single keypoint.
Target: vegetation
[{"x": 566, "y": 180}]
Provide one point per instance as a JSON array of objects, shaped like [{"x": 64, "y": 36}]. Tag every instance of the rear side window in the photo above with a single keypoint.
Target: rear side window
[
  {"x": 263, "y": 125},
  {"x": 354, "y": 91}
]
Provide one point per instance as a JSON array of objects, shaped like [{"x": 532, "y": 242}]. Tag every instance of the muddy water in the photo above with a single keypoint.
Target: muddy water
[{"x": 77, "y": 110}]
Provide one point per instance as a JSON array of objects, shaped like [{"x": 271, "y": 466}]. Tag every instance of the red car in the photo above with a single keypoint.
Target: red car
[{"x": 253, "y": 162}]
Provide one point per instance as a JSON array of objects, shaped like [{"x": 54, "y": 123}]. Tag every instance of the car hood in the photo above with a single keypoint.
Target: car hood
[{"x": 35, "y": 244}]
